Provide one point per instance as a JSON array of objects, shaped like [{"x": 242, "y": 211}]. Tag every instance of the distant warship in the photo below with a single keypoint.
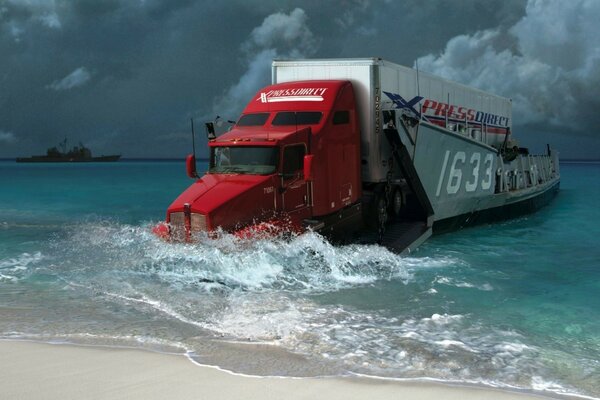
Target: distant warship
[{"x": 76, "y": 154}]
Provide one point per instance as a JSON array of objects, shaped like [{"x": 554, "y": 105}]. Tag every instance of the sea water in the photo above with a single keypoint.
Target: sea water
[{"x": 513, "y": 304}]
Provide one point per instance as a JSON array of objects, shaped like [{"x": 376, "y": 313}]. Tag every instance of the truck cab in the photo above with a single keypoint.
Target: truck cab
[{"x": 292, "y": 158}]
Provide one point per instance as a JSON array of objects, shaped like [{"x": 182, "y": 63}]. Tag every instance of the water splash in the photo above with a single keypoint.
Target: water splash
[{"x": 304, "y": 263}]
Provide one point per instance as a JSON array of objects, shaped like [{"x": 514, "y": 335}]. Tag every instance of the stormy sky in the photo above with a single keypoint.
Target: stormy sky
[{"x": 126, "y": 76}]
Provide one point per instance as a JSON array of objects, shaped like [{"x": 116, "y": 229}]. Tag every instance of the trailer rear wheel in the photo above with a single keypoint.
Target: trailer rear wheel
[
  {"x": 382, "y": 210},
  {"x": 396, "y": 202},
  {"x": 377, "y": 215}
]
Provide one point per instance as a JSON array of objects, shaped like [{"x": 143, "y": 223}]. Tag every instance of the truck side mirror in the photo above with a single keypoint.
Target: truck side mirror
[
  {"x": 190, "y": 166},
  {"x": 308, "y": 160}
]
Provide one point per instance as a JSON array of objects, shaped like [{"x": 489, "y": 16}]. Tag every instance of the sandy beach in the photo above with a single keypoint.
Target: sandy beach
[{"x": 36, "y": 370}]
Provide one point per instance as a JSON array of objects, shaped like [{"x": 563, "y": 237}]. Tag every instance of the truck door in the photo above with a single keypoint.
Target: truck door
[{"x": 294, "y": 188}]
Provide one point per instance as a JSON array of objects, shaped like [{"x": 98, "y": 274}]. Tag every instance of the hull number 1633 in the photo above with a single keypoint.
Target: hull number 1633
[{"x": 471, "y": 173}]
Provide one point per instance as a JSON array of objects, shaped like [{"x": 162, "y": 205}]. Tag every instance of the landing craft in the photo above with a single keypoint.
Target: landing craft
[{"x": 363, "y": 150}]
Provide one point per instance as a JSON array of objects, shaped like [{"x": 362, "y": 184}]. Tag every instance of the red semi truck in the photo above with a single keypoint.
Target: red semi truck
[
  {"x": 292, "y": 157},
  {"x": 362, "y": 147}
]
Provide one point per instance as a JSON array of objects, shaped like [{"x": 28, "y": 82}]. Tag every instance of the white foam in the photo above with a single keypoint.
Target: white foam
[
  {"x": 461, "y": 284},
  {"x": 21, "y": 262},
  {"x": 14, "y": 269},
  {"x": 8, "y": 278},
  {"x": 265, "y": 318},
  {"x": 454, "y": 343}
]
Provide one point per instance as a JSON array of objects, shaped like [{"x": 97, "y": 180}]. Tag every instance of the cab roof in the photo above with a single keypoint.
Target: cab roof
[{"x": 297, "y": 96}]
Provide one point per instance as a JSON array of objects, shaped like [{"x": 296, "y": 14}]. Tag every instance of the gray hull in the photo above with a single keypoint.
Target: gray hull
[
  {"x": 459, "y": 181},
  {"x": 463, "y": 176}
]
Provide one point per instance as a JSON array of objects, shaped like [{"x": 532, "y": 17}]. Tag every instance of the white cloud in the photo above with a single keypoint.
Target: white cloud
[
  {"x": 7, "y": 137},
  {"x": 76, "y": 78},
  {"x": 37, "y": 11},
  {"x": 555, "y": 62},
  {"x": 347, "y": 17},
  {"x": 282, "y": 30},
  {"x": 16, "y": 31},
  {"x": 50, "y": 20},
  {"x": 279, "y": 36}
]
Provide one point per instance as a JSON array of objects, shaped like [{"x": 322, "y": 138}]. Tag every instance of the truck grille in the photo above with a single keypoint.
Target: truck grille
[
  {"x": 177, "y": 221},
  {"x": 198, "y": 222}
]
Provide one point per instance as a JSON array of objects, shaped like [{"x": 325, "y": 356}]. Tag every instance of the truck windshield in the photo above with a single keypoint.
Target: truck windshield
[
  {"x": 256, "y": 119},
  {"x": 297, "y": 118},
  {"x": 243, "y": 160}
]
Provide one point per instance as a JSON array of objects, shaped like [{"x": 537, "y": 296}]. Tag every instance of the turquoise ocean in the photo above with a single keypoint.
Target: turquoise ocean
[{"x": 513, "y": 305}]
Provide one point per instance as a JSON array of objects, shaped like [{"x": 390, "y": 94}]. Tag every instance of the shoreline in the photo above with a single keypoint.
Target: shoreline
[{"x": 67, "y": 371}]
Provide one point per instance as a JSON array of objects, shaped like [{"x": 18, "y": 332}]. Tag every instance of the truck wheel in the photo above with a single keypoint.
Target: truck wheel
[
  {"x": 376, "y": 210},
  {"x": 382, "y": 210},
  {"x": 396, "y": 203}
]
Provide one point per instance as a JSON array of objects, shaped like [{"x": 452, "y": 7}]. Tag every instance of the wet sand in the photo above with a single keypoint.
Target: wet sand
[{"x": 35, "y": 370}]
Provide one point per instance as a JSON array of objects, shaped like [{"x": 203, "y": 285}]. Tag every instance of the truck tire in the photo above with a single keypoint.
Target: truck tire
[
  {"x": 396, "y": 203},
  {"x": 382, "y": 210},
  {"x": 377, "y": 209}
]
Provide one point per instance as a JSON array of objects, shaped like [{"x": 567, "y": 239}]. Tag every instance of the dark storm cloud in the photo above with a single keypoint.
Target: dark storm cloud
[
  {"x": 552, "y": 74},
  {"x": 126, "y": 76},
  {"x": 149, "y": 66},
  {"x": 7, "y": 137}
]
